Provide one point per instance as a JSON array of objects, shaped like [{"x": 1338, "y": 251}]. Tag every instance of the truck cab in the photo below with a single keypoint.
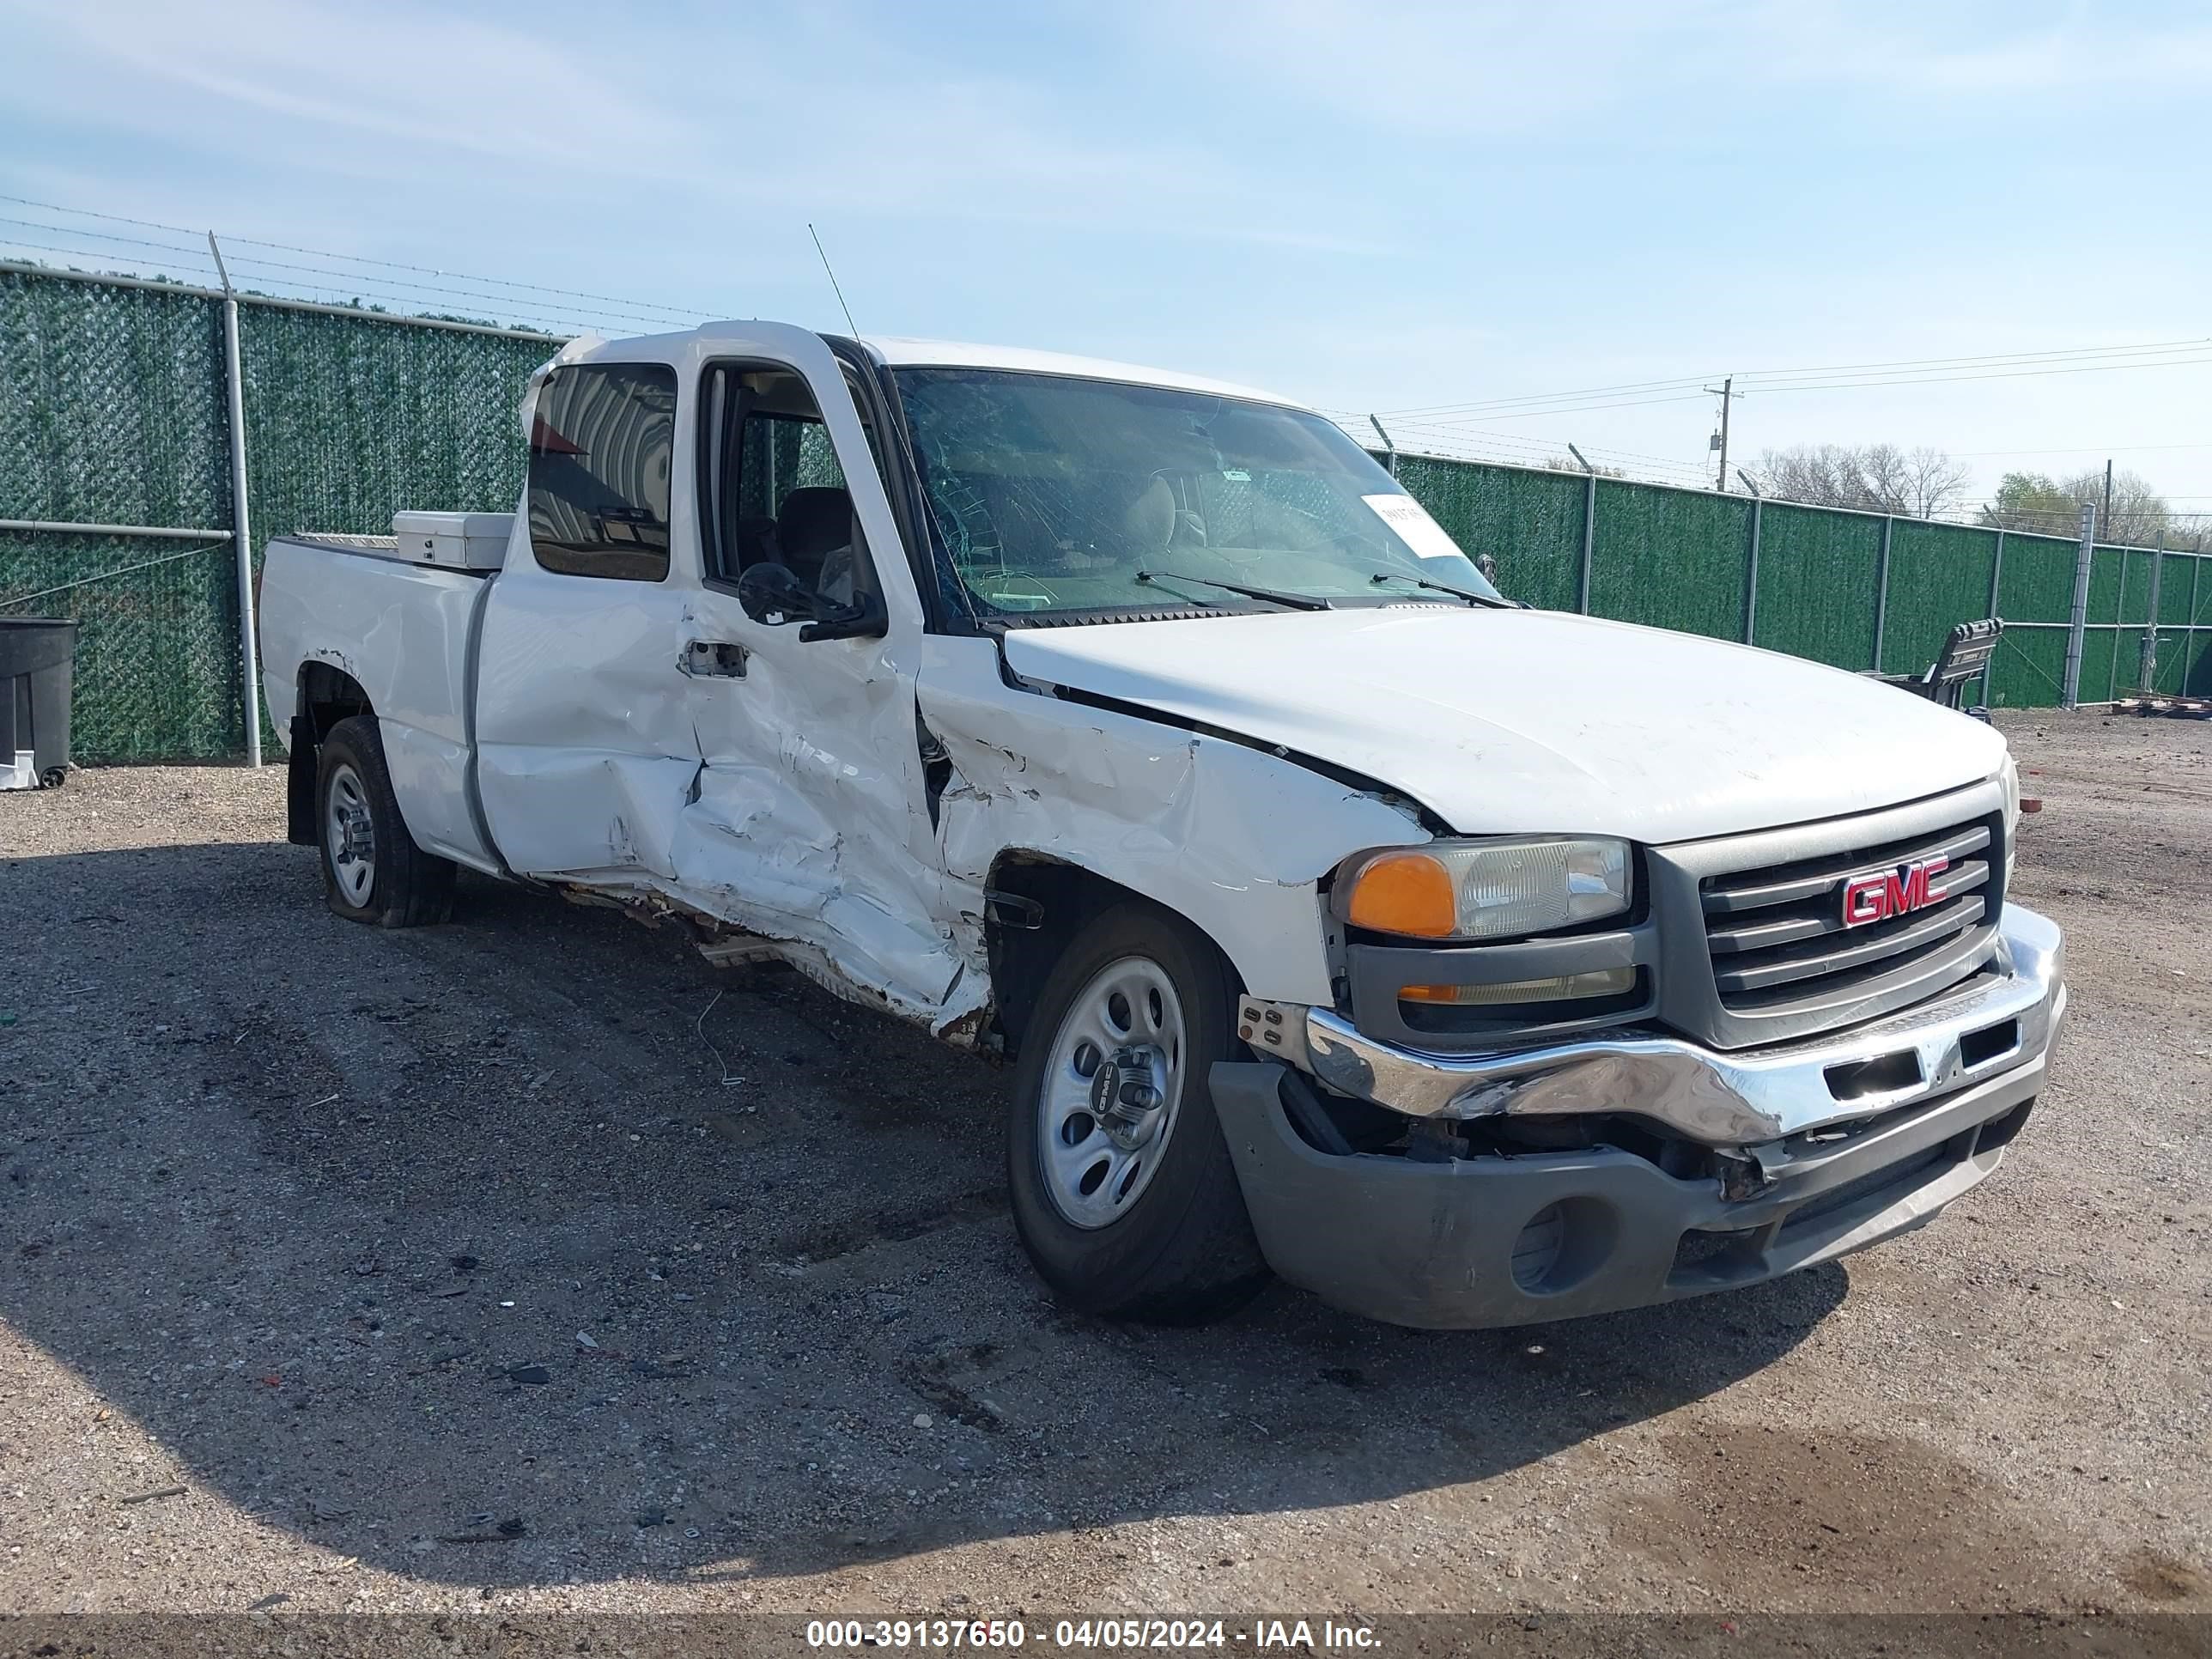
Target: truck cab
[{"x": 1339, "y": 918}]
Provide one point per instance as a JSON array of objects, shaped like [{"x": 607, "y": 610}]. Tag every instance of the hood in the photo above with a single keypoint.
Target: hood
[{"x": 1506, "y": 722}]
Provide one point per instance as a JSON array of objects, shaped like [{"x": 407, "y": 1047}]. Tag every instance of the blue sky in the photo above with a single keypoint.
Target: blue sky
[{"x": 1370, "y": 207}]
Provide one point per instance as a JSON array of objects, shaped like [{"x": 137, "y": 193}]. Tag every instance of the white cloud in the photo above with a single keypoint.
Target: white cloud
[
  {"x": 286, "y": 73},
  {"x": 1430, "y": 68},
  {"x": 811, "y": 114}
]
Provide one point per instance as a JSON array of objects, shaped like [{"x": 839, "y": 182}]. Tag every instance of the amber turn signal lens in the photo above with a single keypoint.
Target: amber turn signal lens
[
  {"x": 1599, "y": 983},
  {"x": 1409, "y": 893}
]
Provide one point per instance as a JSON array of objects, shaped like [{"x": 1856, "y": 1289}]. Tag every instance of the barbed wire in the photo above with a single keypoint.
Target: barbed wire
[
  {"x": 678, "y": 315},
  {"x": 1446, "y": 432}
]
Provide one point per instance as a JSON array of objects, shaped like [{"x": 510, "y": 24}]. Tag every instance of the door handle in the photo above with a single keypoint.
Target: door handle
[{"x": 712, "y": 660}]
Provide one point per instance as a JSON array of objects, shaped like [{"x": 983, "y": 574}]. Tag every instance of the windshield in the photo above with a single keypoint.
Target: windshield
[{"x": 1052, "y": 494}]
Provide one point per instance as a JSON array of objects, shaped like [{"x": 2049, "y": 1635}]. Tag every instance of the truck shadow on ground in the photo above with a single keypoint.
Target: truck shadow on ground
[{"x": 531, "y": 1249}]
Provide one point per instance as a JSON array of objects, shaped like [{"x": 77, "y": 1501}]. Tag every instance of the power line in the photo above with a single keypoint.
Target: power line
[
  {"x": 1586, "y": 391},
  {"x": 1519, "y": 450},
  {"x": 1831, "y": 386},
  {"x": 1446, "y": 423},
  {"x": 1758, "y": 375},
  {"x": 1353, "y": 421},
  {"x": 673, "y": 313},
  {"x": 2195, "y": 343},
  {"x": 1695, "y": 397},
  {"x": 2002, "y": 375},
  {"x": 349, "y": 278},
  {"x": 350, "y": 288},
  {"x": 2081, "y": 449}
]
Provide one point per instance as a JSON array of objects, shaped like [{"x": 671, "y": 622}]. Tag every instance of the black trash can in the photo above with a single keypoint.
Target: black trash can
[{"x": 38, "y": 655}]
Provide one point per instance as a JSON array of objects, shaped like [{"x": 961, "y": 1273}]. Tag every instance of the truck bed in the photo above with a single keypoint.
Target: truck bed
[{"x": 406, "y": 633}]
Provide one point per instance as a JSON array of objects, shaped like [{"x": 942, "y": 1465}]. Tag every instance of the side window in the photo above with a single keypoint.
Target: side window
[
  {"x": 779, "y": 453},
  {"x": 772, "y": 492},
  {"x": 599, "y": 453}
]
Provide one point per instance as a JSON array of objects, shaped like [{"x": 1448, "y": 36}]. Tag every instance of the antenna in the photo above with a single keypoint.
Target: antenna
[{"x": 832, "y": 275}]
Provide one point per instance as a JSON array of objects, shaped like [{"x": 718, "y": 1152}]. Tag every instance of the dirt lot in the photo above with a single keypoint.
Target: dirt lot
[{"x": 287, "y": 1201}]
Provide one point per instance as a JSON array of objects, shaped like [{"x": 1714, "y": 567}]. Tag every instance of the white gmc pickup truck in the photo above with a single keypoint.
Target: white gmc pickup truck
[{"x": 1465, "y": 964}]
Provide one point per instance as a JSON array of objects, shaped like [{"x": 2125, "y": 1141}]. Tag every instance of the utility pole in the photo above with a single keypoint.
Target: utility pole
[
  {"x": 1726, "y": 393},
  {"x": 2105, "y": 517}
]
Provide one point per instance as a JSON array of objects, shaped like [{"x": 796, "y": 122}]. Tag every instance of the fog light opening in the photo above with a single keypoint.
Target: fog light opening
[
  {"x": 1563, "y": 1245},
  {"x": 1864, "y": 1079},
  {"x": 1990, "y": 1043}
]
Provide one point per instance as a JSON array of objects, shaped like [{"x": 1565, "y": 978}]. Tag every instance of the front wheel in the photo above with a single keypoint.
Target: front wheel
[{"x": 1123, "y": 1189}]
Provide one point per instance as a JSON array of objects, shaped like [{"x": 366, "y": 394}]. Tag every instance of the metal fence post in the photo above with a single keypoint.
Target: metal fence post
[
  {"x": 1389, "y": 445},
  {"x": 2078, "y": 621},
  {"x": 241, "y": 543},
  {"x": 1589, "y": 530},
  {"x": 1750, "y": 561},
  {"x": 2188, "y": 640},
  {"x": 1996, "y": 572},
  {"x": 2119, "y": 616},
  {"x": 2147, "y": 651},
  {"x": 1881, "y": 589}
]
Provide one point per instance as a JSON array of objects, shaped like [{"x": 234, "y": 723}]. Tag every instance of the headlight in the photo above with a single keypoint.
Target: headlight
[
  {"x": 1489, "y": 888},
  {"x": 2008, "y": 775}
]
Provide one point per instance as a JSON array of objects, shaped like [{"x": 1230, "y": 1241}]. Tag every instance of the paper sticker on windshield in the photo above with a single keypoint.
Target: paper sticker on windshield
[{"x": 1414, "y": 527}]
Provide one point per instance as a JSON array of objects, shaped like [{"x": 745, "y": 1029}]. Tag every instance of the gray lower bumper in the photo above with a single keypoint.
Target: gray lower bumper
[{"x": 1511, "y": 1241}]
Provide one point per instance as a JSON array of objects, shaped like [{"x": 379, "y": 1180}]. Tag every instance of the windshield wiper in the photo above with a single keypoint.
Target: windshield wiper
[
  {"x": 1275, "y": 596},
  {"x": 1467, "y": 594}
]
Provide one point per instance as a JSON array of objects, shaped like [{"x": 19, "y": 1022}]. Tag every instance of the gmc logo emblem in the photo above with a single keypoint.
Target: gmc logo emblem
[{"x": 1881, "y": 893}]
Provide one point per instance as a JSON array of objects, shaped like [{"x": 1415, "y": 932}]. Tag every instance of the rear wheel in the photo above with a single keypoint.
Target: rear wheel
[
  {"x": 1124, "y": 1192},
  {"x": 372, "y": 870}
]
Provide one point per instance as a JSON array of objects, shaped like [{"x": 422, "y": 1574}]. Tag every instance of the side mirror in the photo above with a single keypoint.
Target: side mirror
[
  {"x": 864, "y": 619},
  {"x": 772, "y": 593}
]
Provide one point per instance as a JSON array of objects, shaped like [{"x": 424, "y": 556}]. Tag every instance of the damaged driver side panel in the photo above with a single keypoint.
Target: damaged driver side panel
[{"x": 807, "y": 823}]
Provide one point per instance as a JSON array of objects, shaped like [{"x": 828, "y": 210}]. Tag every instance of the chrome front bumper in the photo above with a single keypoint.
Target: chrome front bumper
[{"x": 2003, "y": 1018}]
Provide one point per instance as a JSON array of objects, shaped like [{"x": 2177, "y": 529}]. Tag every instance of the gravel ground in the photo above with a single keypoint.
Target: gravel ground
[{"x": 370, "y": 1242}]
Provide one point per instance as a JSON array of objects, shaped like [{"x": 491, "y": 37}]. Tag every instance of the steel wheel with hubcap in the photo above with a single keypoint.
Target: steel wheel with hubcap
[
  {"x": 351, "y": 834},
  {"x": 372, "y": 870},
  {"x": 1123, "y": 1189},
  {"x": 1111, "y": 1090}
]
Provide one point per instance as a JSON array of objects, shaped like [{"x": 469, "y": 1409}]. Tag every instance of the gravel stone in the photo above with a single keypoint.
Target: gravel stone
[{"x": 217, "y": 1101}]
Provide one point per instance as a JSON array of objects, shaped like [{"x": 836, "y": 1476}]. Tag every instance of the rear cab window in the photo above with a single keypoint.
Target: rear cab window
[{"x": 600, "y": 447}]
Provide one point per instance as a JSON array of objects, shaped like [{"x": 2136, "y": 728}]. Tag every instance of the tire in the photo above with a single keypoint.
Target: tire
[
  {"x": 1168, "y": 1240},
  {"x": 375, "y": 873}
]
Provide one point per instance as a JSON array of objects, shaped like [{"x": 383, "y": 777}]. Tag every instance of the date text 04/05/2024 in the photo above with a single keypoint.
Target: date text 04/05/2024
[{"x": 1084, "y": 1634}]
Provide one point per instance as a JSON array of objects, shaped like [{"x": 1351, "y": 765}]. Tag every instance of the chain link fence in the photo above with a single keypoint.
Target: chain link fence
[
  {"x": 114, "y": 418},
  {"x": 114, "y": 413}
]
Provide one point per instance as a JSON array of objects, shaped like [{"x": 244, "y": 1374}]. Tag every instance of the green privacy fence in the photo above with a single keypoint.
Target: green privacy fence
[
  {"x": 114, "y": 420},
  {"x": 1823, "y": 583},
  {"x": 114, "y": 412}
]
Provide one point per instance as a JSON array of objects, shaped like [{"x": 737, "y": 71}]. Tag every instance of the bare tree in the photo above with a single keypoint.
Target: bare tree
[
  {"x": 1874, "y": 478},
  {"x": 2140, "y": 516},
  {"x": 1927, "y": 480}
]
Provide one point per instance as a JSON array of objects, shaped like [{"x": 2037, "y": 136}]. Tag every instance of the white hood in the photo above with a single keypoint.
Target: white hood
[{"x": 1536, "y": 721}]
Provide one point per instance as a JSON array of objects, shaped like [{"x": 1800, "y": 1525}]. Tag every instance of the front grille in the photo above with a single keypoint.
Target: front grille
[{"x": 1778, "y": 940}]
